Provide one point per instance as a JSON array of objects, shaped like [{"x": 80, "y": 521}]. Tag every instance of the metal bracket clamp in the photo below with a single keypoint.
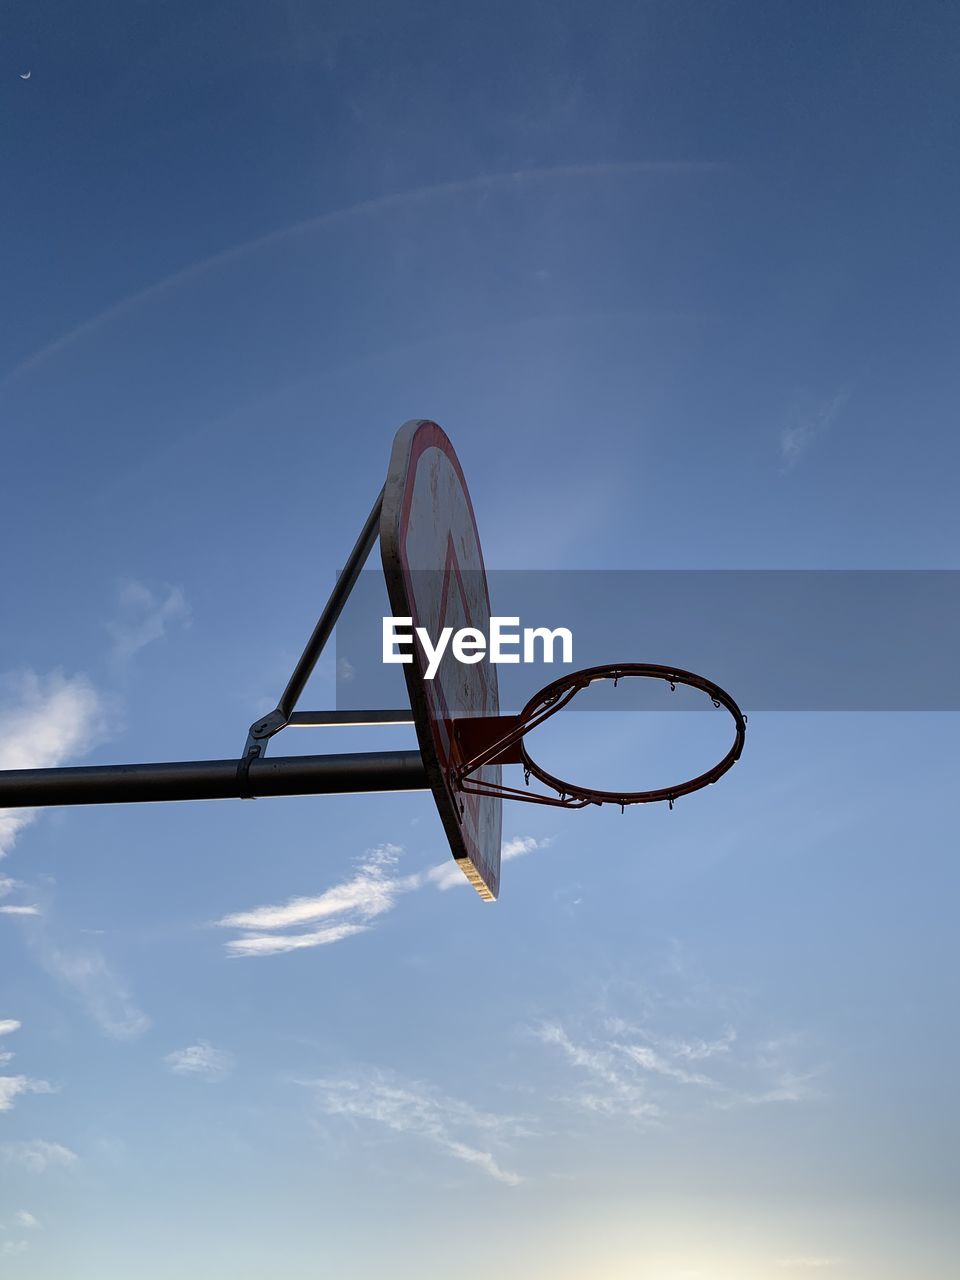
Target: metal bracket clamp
[
  {"x": 243, "y": 770},
  {"x": 264, "y": 729},
  {"x": 261, "y": 731}
]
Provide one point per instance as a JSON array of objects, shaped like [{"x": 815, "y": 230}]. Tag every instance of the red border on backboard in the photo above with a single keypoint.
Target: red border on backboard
[{"x": 431, "y": 713}]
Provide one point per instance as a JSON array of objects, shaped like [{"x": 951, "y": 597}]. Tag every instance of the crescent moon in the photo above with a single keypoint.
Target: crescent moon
[{"x": 26, "y": 76}]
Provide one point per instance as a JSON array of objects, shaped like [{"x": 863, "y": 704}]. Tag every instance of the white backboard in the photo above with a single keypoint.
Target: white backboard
[{"x": 435, "y": 575}]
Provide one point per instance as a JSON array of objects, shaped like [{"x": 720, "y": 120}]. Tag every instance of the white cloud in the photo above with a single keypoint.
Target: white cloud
[
  {"x": 699, "y": 1050},
  {"x": 50, "y": 718},
  {"x": 369, "y": 893},
  {"x": 519, "y": 846},
  {"x": 453, "y": 1127},
  {"x": 26, "y": 1219},
  {"x": 103, "y": 994},
  {"x": 649, "y": 1060},
  {"x": 788, "y": 1087},
  {"x": 807, "y": 420},
  {"x": 201, "y": 1061},
  {"x": 7, "y": 886},
  {"x": 7, "y": 1027},
  {"x": 777, "y": 1079},
  {"x": 639, "y": 1072},
  {"x": 611, "y": 1092},
  {"x": 683, "y": 1050},
  {"x": 350, "y": 907},
  {"x": 345, "y": 671},
  {"x": 272, "y": 944},
  {"x": 13, "y": 1248},
  {"x": 45, "y": 720},
  {"x": 12, "y": 823},
  {"x": 144, "y": 617},
  {"x": 447, "y": 875},
  {"x": 37, "y": 1155},
  {"x": 13, "y": 1086}
]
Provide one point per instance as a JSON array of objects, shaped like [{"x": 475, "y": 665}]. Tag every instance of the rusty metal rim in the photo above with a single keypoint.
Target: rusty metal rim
[{"x": 557, "y": 695}]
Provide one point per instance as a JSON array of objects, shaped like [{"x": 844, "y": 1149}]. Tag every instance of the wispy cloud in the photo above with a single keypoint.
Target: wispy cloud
[
  {"x": 345, "y": 671},
  {"x": 447, "y": 875},
  {"x": 684, "y": 1050},
  {"x": 369, "y": 893},
  {"x": 44, "y": 720},
  {"x": 144, "y": 616},
  {"x": 700, "y": 1050},
  {"x": 635, "y": 1070},
  {"x": 200, "y": 1061},
  {"x": 520, "y": 846},
  {"x": 103, "y": 994},
  {"x": 790, "y": 1086},
  {"x": 26, "y": 1219},
  {"x": 7, "y": 1027},
  {"x": 13, "y": 1248},
  {"x": 37, "y": 1155},
  {"x": 383, "y": 204},
  {"x": 648, "y": 1059},
  {"x": 347, "y": 908},
  {"x": 7, "y": 886},
  {"x": 807, "y": 421},
  {"x": 777, "y": 1077},
  {"x": 12, "y": 1087},
  {"x": 610, "y": 1091},
  {"x": 273, "y": 944},
  {"x": 453, "y": 1127}
]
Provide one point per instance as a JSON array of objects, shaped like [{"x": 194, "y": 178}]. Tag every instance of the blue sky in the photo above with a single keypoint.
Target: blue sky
[{"x": 680, "y": 281}]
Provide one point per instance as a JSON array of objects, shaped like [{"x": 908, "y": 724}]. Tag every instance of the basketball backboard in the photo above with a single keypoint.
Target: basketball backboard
[{"x": 435, "y": 576}]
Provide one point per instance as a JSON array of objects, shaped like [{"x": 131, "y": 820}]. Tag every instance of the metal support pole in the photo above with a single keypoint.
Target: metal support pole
[
  {"x": 266, "y": 727},
  {"x": 332, "y": 610},
  {"x": 213, "y": 779},
  {"x": 348, "y": 719},
  {"x": 262, "y": 730},
  {"x": 252, "y": 775}
]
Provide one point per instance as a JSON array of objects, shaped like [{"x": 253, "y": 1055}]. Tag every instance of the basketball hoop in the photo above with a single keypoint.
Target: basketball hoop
[
  {"x": 496, "y": 740},
  {"x": 424, "y": 522}
]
